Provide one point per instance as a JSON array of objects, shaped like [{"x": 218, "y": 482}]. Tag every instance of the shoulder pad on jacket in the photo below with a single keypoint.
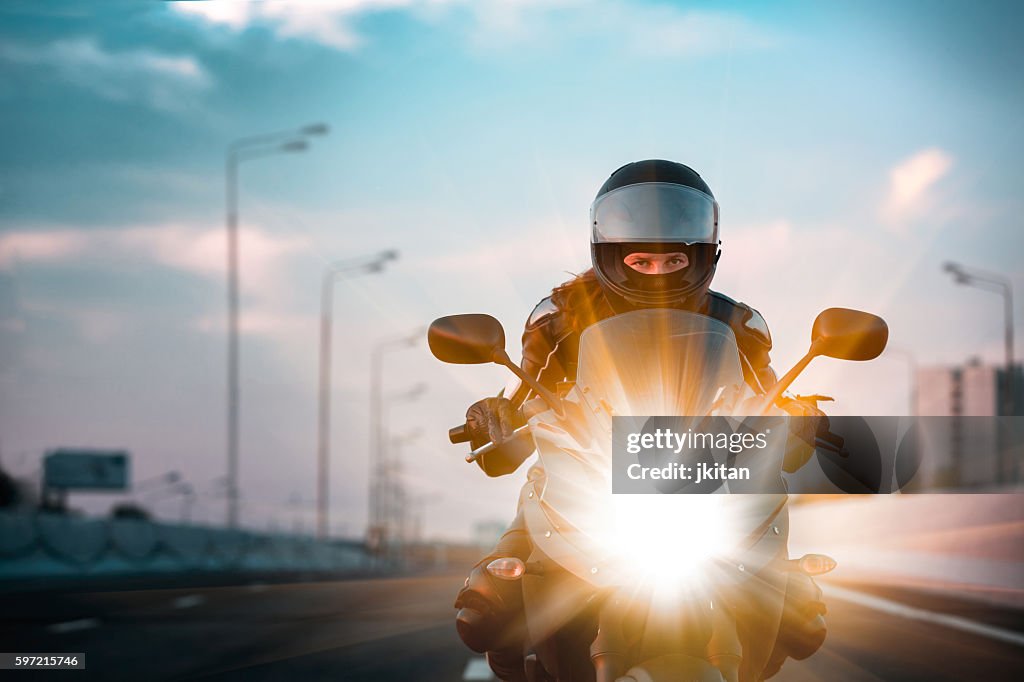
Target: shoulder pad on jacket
[
  {"x": 756, "y": 325},
  {"x": 542, "y": 313},
  {"x": 742, "y": 318},
  {"x": 723, "y": 298}
]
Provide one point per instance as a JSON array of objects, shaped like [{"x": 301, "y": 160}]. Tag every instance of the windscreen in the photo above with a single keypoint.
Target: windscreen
[
  {"x": 645, "y": 363},
  {"x": 659, "y": 362}
]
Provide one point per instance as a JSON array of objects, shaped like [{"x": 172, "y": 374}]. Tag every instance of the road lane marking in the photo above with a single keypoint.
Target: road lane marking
[
  {"x": 189, "y": 601},
  {"x": 73, "y": 625},
  {"x": 477, "y": 669},
  {"x": 904, "y": 611}
]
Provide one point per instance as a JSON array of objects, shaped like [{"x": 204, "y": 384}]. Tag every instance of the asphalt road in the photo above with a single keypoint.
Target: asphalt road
[{"x": 401, "y": 629}]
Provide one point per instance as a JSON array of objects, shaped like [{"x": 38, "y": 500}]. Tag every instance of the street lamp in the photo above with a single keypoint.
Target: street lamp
[
  {"x": 376, "y": 427},
  {"x": 394, "y": 505},
  {"x": 1002, "y": 285},
  {"x": 407, "y": 396},
  {"x": 263, "y": 139},
  {"x": 332, "y": 273},
  {"x": 246, "y": 149},
  {"x": 387, "y": 489}
]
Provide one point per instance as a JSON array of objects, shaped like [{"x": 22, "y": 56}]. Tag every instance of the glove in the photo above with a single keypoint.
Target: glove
[
  {"x": 804, "y": 429},
  {"x": 491, "y": 420}
]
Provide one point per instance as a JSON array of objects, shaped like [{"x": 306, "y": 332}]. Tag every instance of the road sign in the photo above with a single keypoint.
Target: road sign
[{"x": 75, "y": 469}]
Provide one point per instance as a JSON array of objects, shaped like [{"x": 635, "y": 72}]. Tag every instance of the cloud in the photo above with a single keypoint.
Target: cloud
[
  {"x": 163, "y": 81},
  {"x": 40, "y": 247},
  {"x": 666, "y": 31},
  {"x": 200, "y": 251},
  {"x": 663, "y": 30},
  {"x": 261, "y": 323},
  {"x": 910, "y": 182},
  {"x": 204, "y": 252},
  {"x": 756, "y": 250},
  {"x": 328, "y": 22},
  {"x": 95, "y": 325},
  {"x": 541, "y": 249}
]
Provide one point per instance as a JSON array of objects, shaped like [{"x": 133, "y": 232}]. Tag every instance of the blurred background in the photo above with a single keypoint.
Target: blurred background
[
  {"x": 853, "y": 151},
  {"x": 385, "y": 162}
]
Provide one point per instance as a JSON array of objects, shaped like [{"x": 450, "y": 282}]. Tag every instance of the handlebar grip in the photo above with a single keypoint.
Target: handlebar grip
[
  {"x": 458, "y": 434},
  {"x": 833, "y": 442}
]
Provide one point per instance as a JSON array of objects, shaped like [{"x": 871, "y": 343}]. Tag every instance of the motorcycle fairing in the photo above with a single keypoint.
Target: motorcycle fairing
[{"x": 572, "y": 479}]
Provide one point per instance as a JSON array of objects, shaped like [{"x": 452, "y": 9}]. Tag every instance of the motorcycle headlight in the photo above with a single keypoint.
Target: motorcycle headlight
[{"x": 665, "y": 539}]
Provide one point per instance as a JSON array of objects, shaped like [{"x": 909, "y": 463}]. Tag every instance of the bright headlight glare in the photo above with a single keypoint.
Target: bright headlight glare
[{"x": 664, "y": 539}]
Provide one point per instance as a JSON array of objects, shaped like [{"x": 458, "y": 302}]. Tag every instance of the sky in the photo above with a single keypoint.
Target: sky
[{"x": 853, "y": 147}]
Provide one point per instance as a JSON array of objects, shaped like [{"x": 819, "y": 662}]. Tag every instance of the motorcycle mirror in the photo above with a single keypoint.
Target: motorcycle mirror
[
  {"x": 839, "y": 333},
  {"x": 476, "y": 339},
  {"x": 472, "y": 339},
  {"x": 847, "y": 334}
]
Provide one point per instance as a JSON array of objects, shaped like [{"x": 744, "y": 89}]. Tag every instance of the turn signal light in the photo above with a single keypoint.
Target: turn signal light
[
  {"x": 507, "y": 568},
  {"x": 816, "y": 564}
]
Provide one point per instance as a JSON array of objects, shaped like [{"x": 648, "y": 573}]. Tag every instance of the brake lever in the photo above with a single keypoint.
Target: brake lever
[{"x": 491, "y": 447}]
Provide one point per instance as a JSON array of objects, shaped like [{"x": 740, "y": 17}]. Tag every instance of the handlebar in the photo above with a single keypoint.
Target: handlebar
[
  {"x": 480, "y": 452},
  {"x": 832, "y": 441},
  {"x": 490, "y": 447},
  {"x": 458, "y": 434}
]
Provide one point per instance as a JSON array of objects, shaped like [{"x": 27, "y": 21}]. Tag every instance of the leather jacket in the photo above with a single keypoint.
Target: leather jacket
[{"x": 552, "y": 334}]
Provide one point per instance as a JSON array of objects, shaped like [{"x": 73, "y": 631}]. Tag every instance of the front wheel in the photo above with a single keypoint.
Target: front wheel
[{"x": 674, "y": 667}]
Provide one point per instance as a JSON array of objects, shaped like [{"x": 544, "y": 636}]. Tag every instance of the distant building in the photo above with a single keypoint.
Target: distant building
[{"x": 968, "y": 447}]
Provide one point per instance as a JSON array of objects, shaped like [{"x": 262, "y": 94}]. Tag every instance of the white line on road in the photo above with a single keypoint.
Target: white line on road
[
  {"x": 73, "y": 625},
  {"x": 904, "y": 611},
  {"x": 477, "y": 669},
  {"x": 188, "y": 601}
]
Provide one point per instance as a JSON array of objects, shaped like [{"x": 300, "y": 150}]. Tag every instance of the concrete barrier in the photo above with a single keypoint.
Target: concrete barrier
[{"x": 37, "y": 546}]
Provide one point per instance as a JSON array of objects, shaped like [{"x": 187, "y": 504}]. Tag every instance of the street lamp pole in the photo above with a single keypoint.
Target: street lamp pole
[
  {"x": 1002, "y": 285},
  {"x": 395, "y": 504},
  {"x": 232, "y": 201},
  {"x": 244, "y": 149},
  {"x": 999, "y": 284},
  {"x": 376, "y": 428},
  {"x": 323, "y": 448},
  {"x": 388, "y": 460}
]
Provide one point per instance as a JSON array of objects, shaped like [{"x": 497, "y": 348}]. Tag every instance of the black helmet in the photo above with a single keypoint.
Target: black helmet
[{"x": 654, "y": 206}]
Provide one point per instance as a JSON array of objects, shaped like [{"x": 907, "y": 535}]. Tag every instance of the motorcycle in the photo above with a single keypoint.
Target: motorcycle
[{"x": 645, "y": 587}]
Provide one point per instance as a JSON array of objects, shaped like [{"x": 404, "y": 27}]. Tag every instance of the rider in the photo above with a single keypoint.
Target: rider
[{"x": 654, "y": 244}]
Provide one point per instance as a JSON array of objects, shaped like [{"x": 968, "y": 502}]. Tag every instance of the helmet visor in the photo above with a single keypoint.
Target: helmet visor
[{"x": 655, "y": 212}]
